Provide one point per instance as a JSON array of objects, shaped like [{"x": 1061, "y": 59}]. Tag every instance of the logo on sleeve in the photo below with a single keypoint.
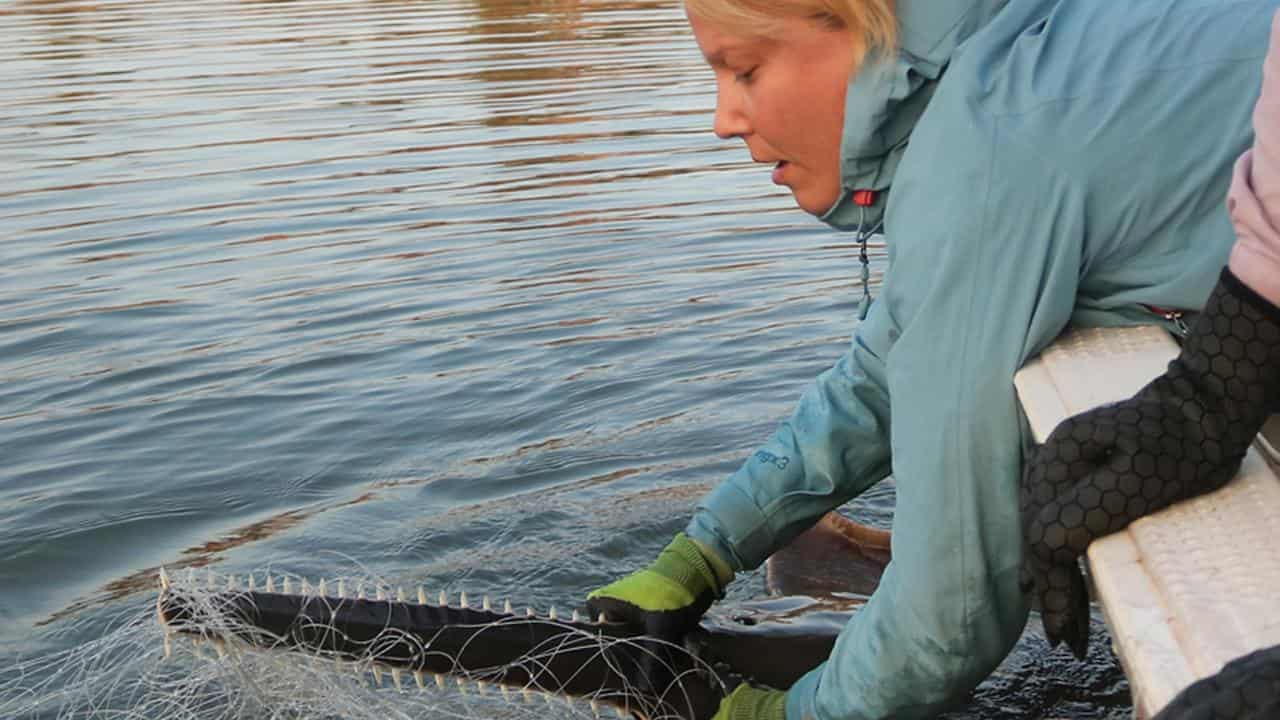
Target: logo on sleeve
[{"x": 779, "y": 462}]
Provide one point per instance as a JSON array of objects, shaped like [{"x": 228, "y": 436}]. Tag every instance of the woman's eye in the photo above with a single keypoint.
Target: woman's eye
[{"x": 745, "y": 77}]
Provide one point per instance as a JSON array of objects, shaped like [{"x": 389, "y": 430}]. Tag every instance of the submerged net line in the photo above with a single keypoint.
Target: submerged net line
[{"x": 137, "y": 668}]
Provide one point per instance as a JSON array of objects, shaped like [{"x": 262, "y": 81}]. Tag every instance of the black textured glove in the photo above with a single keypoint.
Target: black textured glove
[
  {"x": 1248, "y": 688},
  {"x": 1182, "y": 435}
]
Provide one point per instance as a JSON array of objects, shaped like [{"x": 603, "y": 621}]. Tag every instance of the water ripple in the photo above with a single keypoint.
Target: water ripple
[{"x": 392, "y": 281}]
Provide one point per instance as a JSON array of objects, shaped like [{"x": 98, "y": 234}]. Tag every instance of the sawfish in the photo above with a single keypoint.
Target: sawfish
[
  {"x": 837, "y": 564},
  {"x": 816, "y": 584}
]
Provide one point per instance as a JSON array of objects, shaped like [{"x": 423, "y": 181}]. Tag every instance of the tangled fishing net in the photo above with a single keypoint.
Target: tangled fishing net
[{"x": 139, "y": 668}]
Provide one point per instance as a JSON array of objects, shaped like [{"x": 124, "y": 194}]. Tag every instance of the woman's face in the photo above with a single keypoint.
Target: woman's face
[{"x": 784, "y": 96}]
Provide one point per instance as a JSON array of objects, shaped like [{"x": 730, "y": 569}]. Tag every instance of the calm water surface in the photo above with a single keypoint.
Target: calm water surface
[{"x": 460, "y": 292}]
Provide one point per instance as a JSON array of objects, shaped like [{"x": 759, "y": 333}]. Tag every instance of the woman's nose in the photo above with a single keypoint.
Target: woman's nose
[{"x": 730, "y": 121}]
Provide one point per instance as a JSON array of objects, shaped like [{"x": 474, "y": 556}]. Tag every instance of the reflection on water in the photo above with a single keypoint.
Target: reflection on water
[
  {"x": 461, "y": 292},
  {"x": 268, "y": 258}
]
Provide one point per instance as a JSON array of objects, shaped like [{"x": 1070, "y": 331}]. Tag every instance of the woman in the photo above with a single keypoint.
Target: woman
[{"x": 1065, "y": 164}]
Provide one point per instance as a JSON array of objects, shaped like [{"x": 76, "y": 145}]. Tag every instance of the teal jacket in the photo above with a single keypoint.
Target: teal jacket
[{"x": 1067, "y": 163}]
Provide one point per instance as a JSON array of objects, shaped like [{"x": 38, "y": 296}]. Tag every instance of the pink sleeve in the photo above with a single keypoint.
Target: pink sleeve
[{"x": 1254, "y": 198}]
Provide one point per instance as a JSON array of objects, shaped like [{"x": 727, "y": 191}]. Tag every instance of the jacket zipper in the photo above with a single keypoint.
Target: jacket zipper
[{"x": 1176, "y": 318}]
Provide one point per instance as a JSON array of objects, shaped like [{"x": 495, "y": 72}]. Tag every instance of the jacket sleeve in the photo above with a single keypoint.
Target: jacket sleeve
[
  {"x": 987, "y": 255},
  {"x": 1254, "y": 199},
  {"x": 832, "y": 447}
]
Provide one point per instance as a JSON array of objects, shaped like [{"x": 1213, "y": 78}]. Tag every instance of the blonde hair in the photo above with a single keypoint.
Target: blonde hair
[{"x": 872, "y": 23}]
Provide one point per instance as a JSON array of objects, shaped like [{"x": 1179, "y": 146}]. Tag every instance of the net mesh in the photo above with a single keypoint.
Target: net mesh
[{"x": 139, "y": 668}]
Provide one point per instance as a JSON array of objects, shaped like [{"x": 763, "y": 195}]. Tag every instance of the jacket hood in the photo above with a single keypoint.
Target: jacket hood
[{"x": 890, "y": 92}]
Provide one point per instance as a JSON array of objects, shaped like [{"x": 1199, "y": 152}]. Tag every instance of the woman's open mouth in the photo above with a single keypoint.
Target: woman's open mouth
[{"x": 778, "y": 171}]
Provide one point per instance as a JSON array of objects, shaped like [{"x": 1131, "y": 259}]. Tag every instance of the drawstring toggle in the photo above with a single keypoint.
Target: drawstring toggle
[{"x": 865, "y": 199}]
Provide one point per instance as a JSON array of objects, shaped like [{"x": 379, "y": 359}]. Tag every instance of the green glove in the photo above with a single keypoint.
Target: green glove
[
  {"x": 748, "y": 703},
  {"x": 668, "y": 597}
]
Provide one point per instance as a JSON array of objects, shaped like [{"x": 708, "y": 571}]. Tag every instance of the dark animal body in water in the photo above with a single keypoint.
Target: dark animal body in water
[
  {"x": 836, "y": 565},
  {"x": 606, "y": 662}
]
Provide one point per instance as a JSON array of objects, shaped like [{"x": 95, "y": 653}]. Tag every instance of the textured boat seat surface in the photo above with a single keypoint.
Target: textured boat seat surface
[{"x": 1189, "y": 588}]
